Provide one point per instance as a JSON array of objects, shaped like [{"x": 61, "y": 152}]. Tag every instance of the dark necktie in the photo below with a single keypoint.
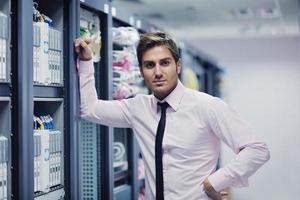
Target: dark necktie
[{"x": 158, "y": 152}]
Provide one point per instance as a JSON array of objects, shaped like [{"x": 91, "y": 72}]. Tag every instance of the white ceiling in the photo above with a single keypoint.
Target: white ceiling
[{"x": 198, "y": 19}]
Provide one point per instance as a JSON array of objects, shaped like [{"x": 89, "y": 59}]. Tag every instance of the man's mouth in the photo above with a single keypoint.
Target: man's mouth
[{"x": 159, "y": 81}]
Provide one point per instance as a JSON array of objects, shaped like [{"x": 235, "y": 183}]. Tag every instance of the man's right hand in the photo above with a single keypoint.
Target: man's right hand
[
  {"x": 212, "y": 193},
  {"x": 83, "y": 48}
]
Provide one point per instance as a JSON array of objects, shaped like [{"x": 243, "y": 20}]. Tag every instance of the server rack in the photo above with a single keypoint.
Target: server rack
[
  {"x": 204, "y": 68},
  {"x": 192, "y": 73},
  {"x": 48, "y": 99},
  {"x": 5, "y": 100},
  {"x": 95, "y": 139},
  {"x": 139, "y": 187},
  {"x": 127, "y": 184},
  {"x": 213, "y": 77},
  {"x": 124, "y": 141},
  {"x": 32, "y": 96}
]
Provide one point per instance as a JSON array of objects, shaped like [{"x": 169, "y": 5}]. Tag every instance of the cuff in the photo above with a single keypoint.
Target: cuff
[
  {"x": 85, "y": 67},
  {"x": 219, "y": 181}
]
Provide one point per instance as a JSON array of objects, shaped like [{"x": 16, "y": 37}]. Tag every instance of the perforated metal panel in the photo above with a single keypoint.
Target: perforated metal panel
[{"x": 90, "y": 169}]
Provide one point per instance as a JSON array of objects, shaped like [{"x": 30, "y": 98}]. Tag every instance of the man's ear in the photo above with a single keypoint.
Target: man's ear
[
  {"x": 178, "y": 66},
  {"x": 141, "y": 71}
]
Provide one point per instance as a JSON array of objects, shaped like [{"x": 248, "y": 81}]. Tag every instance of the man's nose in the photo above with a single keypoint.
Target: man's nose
[{"x": 157, "y": 70}]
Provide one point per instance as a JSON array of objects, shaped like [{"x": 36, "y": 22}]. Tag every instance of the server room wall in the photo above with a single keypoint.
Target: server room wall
[{"x": 266, "y": 73}]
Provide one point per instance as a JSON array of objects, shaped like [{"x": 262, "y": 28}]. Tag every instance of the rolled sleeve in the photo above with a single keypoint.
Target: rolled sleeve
[{"x": 85, "y": 67}]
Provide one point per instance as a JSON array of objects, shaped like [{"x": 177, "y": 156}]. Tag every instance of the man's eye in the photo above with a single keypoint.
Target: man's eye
[
  {"x": 165, "y": 63},
  {"x": 149, "y": 65}
]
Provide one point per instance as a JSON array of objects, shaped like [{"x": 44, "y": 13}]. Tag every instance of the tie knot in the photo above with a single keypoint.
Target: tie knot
[{"x": 163, "y": 105}]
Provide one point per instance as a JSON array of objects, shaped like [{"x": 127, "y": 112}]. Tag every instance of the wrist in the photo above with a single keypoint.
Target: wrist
[
  {"x": 210, "y": 190},
  {"x": 207, "y": 185},
  {"x": 85, "y": 59}
]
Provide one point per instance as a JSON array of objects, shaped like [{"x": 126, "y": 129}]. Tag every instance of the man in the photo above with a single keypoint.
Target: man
[{"x": 179, "y": 130}]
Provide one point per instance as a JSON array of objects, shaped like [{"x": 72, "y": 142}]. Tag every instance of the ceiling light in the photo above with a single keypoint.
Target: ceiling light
[{"x": 260, "y": 13}]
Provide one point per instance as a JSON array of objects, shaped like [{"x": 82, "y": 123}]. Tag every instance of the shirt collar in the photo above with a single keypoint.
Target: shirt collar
[{"x": 173, "y": 99}]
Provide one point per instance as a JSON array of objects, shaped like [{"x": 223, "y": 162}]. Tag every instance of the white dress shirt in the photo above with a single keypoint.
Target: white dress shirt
[{"x": 196, "y": 123}]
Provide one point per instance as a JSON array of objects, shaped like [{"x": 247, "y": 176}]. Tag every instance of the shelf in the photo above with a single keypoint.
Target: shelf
[
  {"x": 102, "y": 5},
  {"x": 4, "y": 89},
  {"x": 48, "y": 91},
  {"x": 5, "y": 116},
  {"x": 118, "y": 47},
  {"x": 122, "y": 18},
  {"x": 52, "y": 107},
  {"x": 123, "y": 192},
  {"x": 54, "y": 193},
  {"x": 121, "y": 175}
]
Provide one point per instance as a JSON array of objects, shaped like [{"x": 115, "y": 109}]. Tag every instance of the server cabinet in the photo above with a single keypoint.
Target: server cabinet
[
  {"x": 43, "y": 118},
  {"x": 123, "y": 59},
  {"x": 139, "y": 176},
  {"x": 200, "y": 72},
  {"x": 5, "y": 101},
  {"x": 49, "y": 110},
  {"x": 94, "y": 138},
  {"x": 213, "y": 78},
  {"x": 192, "y": 72},
  {"x": 127, "y": 83}
]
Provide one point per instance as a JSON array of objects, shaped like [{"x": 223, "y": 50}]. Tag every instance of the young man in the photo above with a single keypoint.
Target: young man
[{"x": 179, "y": 130}]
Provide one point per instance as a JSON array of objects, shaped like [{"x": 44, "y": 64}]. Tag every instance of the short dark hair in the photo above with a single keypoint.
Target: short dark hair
[{"x": 153, "y": 39}]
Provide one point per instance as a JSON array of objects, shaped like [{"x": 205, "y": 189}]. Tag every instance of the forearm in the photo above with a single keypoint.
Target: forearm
[
  {"x": 88, "y": 94},
  {"x": 237, "y": 172}
]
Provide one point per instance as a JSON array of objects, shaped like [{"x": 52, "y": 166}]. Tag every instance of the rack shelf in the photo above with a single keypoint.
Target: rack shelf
[
  {"x": 4, "y": 89},
  {"x": 48, "y": 92}
]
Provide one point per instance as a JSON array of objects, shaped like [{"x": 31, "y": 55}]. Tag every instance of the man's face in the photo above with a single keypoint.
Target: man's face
[{"x": 160, "y": 71}]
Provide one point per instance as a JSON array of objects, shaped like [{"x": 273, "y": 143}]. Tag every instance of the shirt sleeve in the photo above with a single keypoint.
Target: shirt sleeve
[
  {"x": 251, "y": 153},
  {"x": 110, "y": 113}
]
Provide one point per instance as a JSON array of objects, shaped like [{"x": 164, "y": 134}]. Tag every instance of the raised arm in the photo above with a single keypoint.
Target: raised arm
[{"x": 110, "y": 113}]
